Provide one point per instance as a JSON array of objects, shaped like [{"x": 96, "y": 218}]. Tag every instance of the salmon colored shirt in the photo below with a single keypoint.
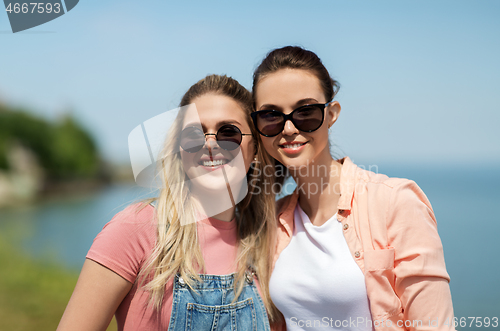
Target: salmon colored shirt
[
  {"x": 125, "y": 244},
  {"x": 392, "y": 235}
]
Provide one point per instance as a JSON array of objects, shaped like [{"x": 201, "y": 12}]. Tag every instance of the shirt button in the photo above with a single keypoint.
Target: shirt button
[
  {"x": 356, "y": 254},
  {"x": 181, "y": 281},
  {"x": 346, "y": 226}
]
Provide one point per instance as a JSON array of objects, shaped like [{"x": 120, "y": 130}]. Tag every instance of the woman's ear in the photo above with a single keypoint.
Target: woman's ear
[{"x": 332, "y": 113}]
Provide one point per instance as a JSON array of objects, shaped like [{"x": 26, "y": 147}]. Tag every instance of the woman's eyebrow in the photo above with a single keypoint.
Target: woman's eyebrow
[
  {"x": 269, "y": 106},
  {"x": 221, "y": 123},
  {"x": 306, "y": 101},
  {"x": 301, "y": 102}
]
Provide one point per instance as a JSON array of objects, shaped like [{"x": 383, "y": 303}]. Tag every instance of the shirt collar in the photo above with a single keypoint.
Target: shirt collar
[{"x": 347, "y": 183}]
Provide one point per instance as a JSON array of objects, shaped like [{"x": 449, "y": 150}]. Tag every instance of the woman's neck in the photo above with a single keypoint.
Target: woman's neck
[
  {"x": 219, "y": 202},
  {"x": 318, "y": 186},
  {"x": 226, "y": 216},
  {"x": 216, "y": 204}
]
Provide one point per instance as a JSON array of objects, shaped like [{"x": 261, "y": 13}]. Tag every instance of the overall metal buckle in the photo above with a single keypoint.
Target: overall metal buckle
[{"x": 249, "y": 275}]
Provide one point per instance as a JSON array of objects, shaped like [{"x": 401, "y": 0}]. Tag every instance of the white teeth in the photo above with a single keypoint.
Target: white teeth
[
  {"x": 293, "y": 146},
  {"x": 213, "y": 163}
]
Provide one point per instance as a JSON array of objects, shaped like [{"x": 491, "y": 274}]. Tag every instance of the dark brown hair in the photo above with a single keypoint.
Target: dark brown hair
[{"x": 294, "y": 57}]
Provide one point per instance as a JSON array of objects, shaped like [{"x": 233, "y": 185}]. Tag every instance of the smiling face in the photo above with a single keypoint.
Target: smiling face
[
  {"x": 284, "y": 91},
  {"x": 204, "y": 167}
]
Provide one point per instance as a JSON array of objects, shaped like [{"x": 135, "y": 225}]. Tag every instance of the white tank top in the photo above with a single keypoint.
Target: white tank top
[{"x": 315, "y": 283}]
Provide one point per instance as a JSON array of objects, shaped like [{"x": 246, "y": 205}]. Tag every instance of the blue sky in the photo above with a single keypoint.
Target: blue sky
[{"x": 419, "y": 79}]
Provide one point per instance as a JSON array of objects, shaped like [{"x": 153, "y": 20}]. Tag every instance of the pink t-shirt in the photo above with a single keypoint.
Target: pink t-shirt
[{"x": 124, "y": 245}]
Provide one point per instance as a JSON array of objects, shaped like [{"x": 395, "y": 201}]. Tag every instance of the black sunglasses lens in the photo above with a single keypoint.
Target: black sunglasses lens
[
  {"x": 229, "y": 137},
  {"x": 270, "y": 123},
  {"x": 308, "y": 118},
  {"x": 192, "y": 139}
]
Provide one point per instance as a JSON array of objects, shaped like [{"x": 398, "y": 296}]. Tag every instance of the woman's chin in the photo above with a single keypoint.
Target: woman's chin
[
  {"x": 209, "y": 184},
  {"x": 295, "y": 163},
  {"x": 214, "y": 189}
]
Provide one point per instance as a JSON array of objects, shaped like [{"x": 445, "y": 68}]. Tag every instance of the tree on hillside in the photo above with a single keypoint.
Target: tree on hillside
[{"x": 64, "y": 149}]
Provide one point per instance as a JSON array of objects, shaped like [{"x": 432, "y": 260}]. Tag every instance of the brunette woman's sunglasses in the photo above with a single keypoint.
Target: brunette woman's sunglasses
[
  {"x": 307, "y": 118},
  {"x": 228, "y": 137}
]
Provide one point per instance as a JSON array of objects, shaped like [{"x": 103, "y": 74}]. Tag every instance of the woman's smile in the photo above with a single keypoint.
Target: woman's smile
[
  {"x": 293, "y": 147},
  {"x": 212, "y": 162}
]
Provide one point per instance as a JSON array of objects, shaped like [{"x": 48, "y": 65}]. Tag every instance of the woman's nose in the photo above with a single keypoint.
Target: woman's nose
[
  {"x": 210, "y": 141},
  {"x": 289, "y": 129}
]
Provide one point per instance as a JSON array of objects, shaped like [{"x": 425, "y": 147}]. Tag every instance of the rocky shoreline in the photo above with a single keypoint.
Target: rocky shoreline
[{"x": 26, "y": 181}]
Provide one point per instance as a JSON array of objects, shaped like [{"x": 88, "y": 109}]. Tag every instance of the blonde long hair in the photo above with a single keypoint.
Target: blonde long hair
[{"x": 177, "y": 248}]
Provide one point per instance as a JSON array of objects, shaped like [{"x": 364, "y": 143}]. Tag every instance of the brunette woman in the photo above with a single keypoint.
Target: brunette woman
[{"x": 356, "y": 250}]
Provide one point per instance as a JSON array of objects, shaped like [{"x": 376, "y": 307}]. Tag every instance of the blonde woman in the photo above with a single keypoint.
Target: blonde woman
[{"x": 172, "y": 267}]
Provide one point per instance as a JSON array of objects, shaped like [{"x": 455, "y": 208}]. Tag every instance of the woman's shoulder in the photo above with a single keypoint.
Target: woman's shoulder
[
  {"x": 138, "y": 213},
  {"x": 136, "y": 223},
  {"x": 379, "y": 181},
  {"x": 359, "y": 175},
  {"x": 126, "y": 241},
  {"x": 380, "y": 189},
  {"x": 389, "y": 194}
]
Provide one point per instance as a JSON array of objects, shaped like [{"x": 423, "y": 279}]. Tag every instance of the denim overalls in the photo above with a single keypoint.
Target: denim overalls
[{"x": 210, "y": 307}]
